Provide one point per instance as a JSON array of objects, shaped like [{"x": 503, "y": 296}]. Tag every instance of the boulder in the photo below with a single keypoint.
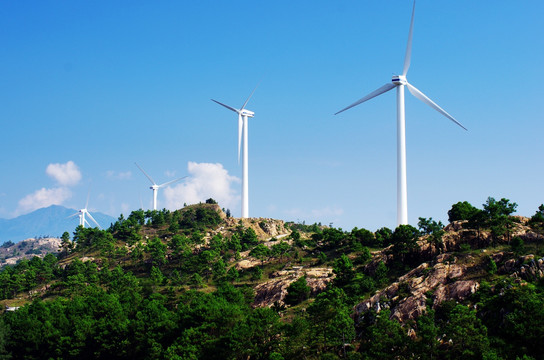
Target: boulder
[{"x": 275, "y": 289}]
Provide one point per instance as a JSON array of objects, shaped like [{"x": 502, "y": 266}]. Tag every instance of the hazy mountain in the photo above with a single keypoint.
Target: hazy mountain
[{"x": 45, "y": 222}]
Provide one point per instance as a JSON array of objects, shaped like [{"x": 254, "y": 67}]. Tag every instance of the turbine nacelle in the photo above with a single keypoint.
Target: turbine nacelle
[
  {"x": 399, "y": 80},
  {"x": 248, "y": 113},
  {"x": 154, "y": 187}
]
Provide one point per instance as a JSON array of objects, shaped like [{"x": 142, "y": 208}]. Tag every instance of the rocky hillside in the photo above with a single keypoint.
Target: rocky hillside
[
  {"x": 11, "y": 253},
  {"x": 263, "y": 288}
]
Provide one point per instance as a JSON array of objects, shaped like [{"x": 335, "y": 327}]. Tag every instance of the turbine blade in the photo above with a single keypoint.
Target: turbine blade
[
  {"x": 228, "y": 107},
  {"x": 149, "y": 177},
  {"x": 77, "y": 213},
  {"x": 373, "y": 94},
  {"x": 171, "y": 182},
  {"x": 250, "y": 95},
  {"x": 409, "y": 45},
  {"x": 90, "y": 216},
  {"x": 240, "y": 127},
  {"x": 418, "y": 94}
]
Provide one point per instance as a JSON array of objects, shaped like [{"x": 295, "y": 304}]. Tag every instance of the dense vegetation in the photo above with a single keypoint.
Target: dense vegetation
[{"x": 163, "y": 285}]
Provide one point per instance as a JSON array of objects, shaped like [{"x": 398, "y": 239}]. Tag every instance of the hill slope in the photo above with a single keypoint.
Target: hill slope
[{"x": 195, "y": 284}]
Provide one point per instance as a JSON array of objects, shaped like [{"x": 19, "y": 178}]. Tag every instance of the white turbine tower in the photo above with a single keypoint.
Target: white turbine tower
[
  {"x": 243, "y": 115},
  {"x": 156, "y": 187},
  {"x": 84, "y": 212},
  {"x": 399, "y": 81}
]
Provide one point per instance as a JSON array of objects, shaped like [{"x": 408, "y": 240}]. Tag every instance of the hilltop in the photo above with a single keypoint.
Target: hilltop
[{"x": 195, "y": 283}]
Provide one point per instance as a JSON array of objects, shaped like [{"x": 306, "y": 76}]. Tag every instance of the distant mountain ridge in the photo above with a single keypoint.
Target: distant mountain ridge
[{"x": 51, "y": 221}]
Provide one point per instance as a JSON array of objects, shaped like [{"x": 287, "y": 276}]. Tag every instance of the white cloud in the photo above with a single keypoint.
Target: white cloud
[
  {"x": 119, "y": 175},
  {"x": 205, "y": 181},
  {"x": 170, "y": 174},
  {"x": 43, "y": 198},
  {"x": 65, "y": 174}
]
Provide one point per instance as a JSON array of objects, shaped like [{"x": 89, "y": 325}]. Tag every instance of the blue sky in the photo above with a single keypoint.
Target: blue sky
[{"x": 89, "y": 88}]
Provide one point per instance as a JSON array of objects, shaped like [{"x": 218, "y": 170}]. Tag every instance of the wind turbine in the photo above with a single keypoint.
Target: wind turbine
[
  {"x": 83, "y": 212},
  {"x": 399, "y": 82},
  {"x": 243, "y": 115},
  {"x": 156, "y": 187}
]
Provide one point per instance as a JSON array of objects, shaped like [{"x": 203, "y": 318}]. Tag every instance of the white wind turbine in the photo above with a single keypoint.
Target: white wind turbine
[
  {"x": 399, "y": 81},
  {"x": 243, "y": 115},
  {"x": 83, "y": 212},
  {"x": 156, "y": 187}
]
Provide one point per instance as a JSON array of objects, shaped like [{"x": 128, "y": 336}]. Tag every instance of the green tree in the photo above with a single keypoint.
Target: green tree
[
  {"x": 321, "y": 257},
  {"x": 219, "y": 269},
  {"x": 297, "y": 291},
  {"x": 295, "y": 235},
  {"x": 383, "y": 237},
  {"x": 384, "y": 338},
  {"x": 343, "y": 268},
  {"x": 234, "y": 243},
  {"x": 513, "y": 315},
  {"x": 462, "y": 210},
  {"x": 257, "y": 273},
  {"x": 404, "y": 241},
  {"x": 66, "y": 246},
  {"x": 537, "y": 220},
  {"x": 233, "y": 274},
  {"x": 365, "y": 237},
  {"x": 517, "y": 245},
  {"x": 466, "y": 335},
  {"x": 249, "y": 238},
  {"x": 261, "y": 252},
  {"x": 157, "y": 276},
  {"x": 157, "y": 250},
  {"x": 197, "y": 281},
  {"x": 478, "y": 220},
  {"x": 280, "y": 249},
  {"x": 330, "y": 316},
  {"x": 498, "y": 216},
  {"x": 365, "y": 255},
  {"x": 381, "y": 273},
  {"x": 257, "y": 337},
  {"x": 492, "y": 266},
  {"x": 427, "y": 335},
  {"x": 432, "y": 228},
  {"x": 4, "y": 333}
]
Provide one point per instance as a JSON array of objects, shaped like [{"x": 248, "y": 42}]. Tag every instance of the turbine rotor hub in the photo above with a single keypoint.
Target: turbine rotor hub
[{"x": 399, "y": 80}]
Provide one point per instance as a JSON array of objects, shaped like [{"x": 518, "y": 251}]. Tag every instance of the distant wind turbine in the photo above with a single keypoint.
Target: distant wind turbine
[
  {"x": 156, "y": 187},
  {"x": 243, "y": 115},
  {"x": 84, "y": 212},
  {"x": 399, "y": 81}
]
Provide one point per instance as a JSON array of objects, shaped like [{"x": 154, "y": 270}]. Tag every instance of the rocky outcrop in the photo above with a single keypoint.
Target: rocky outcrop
[
  {"x": 265, "y": 228},
  {"x": 27, "y": 249},
  {"x": 456, "y": 234},
  {"x": 408, "y": 297},
  {"x": 275, "y": 289},
  {"x": 525, "y": 267}
]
